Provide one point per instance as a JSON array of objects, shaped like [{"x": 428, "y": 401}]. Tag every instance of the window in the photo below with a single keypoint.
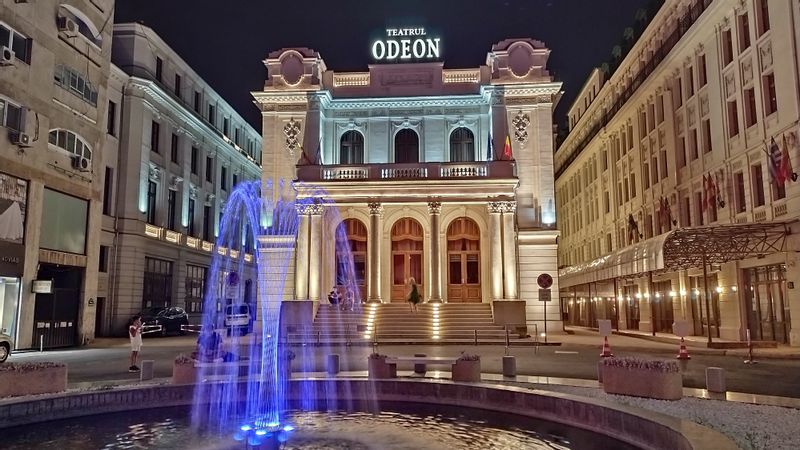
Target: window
[
  {"x": 727, "y": 47},
  {"x": 171, "y": 199},
  {"x": 605, "y": 160},
  {"x": 702, "y": 73},
  {"x": 236, "y": 136},
  {"x": 680, "y": 154},
  {"x": 159, "y": 68},
  {"x": 102, "y": 264},
  {"x": 462, "y": 145},
  {"x": 606, "y": 202},
  {"x": 733, "y": 119},
  {"x": 698, "y": 208},
  {"x": 738, "y": 192},
  {"x": 226, "y": 125},
  {"x": 195, "y": 288},
  {"x": 778, "y": 191},
  {"x": 208, "y": 223},
  {"x": 406, "y": 146},
  {"x": 744, "y": 32},
  {"x": 654, "y": 170},
  {"x": 646, "y": 175},
  {"x": 212, "y": 115},
  {"x": 685, "y": 212},
  {"x": 190, "y": 230},
  {"x": 71, "y": 142},
  {"x": 351, "y": 148},
  {"x": 659, "y": 109},
  {"x": 626, "y": 190},
  {"x": 111, "y": 121},
  {"x": 151, "y": 202},
  {"x": 693, "y": 144},
  {"x": 108, "y": 191},
  {"x": 633, "y": 185},
  {"x": 679, "y": 92},
  {"x": 157, "y": 289},
  {"x": 19, "y": 44},
  {"x": 750, "y": 117},
  {"x": 223, "y": 178},
  {"x": 174, "y": 148},
  {"x": 235, "y": 181},
  {"x": 76, "y": 83},
  {"x": 690, "y": 82},
  {"x": 178, "y": 85},
  {"x": 664, "y": 164},
  {"x": 11, "y": 116},
  {"x": 770, "y": 96},
  {"x": 757, "y": 179},
  {"x": 209, "y": 169},
  {"x": 705, "y": 128},
  {"x": 155, "y": 136},
  {"x": 609, "y": 243},
  {"x": 194, "y": 160},
  {"x": 762, "y": 16},
  {"x": 197, "y": 101}
]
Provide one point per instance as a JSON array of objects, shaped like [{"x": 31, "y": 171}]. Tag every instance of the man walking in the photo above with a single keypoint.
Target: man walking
[{"x": 135, "y": 333}]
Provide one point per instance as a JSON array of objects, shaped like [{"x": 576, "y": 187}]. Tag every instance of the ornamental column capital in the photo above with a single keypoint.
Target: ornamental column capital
[
  {"x": 315, "y": 209},
  {"x": 495, "y": 207},
  {"x": 375, "y": 208},
  {"x": 435, "y": 208},
  {"x": 509, "y": 207}
]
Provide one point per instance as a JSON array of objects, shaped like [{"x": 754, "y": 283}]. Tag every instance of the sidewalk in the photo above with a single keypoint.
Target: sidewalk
[{"x": 634, "y": 339}]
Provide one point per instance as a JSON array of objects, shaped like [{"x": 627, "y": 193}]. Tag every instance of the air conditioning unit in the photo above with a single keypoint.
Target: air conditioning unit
[
  {"x": 20, "y": 139},
  {"x": 6, "y": 56},
  {"x": 80, "y": 163},
  {"x": 67, "y": 26}
]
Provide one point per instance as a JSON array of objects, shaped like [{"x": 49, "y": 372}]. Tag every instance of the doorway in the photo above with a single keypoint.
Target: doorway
[
  {"x": 55, "y": 317},
  {"x": 463, "y": 261},
  {"x": 767, "y": 309},
  {"x": 407, "y": 247}
]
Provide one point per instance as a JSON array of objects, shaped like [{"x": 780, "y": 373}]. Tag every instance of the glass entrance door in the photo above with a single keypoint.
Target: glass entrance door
[
  {"x": 406, "y": 265},
  {"x": 463, "y": 281},
  {"x": 767, "y": 310}
]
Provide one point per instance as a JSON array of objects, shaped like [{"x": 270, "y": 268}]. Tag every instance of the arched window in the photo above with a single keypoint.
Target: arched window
[
  {"x": 351, "y": 148},
  {"x": 70, "y": 142},
  {"x": 85, "y": 26},
  {"x": 406, "y": 146},
  {"x": 462, "y": 145}
]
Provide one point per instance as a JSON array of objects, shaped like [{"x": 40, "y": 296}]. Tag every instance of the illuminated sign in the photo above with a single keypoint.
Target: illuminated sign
[
  {"x": 406, "y": 44},
  {"x": 42, "y": 287}
]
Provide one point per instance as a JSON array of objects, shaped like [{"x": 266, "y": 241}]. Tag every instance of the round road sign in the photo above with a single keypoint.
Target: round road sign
[{"x": 545, "y": 281}]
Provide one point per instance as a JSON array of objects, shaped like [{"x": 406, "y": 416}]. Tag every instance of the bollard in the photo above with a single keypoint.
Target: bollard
[
  {"x": 600, "y": 371},
  {"x": 476, "y": 338},
  {"x": 147, "y": 370},
  {"x": 715, "y": 379},
  {"x": 509, "y": 366},
  {"x": 420, "y": 368},
  {"x": 332, "y": 365}
]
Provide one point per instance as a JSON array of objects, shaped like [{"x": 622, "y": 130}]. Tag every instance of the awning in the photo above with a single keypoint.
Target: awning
[{"x": 681, "y": 249}]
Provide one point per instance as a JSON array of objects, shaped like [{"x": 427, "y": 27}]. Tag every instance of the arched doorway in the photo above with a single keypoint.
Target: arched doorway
[
  {"x": 355, "y": 233},
  {"x": 407, "y": 244},
  {"x": 406, "y": 146},
  {"x": 463, "y": 261},
  {"x": 462, "y": 145}
]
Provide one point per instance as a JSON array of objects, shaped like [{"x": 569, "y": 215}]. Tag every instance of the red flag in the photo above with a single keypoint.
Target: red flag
[
  {"x": 713, "y": 192},
  {"x": 507, "y": 155}
]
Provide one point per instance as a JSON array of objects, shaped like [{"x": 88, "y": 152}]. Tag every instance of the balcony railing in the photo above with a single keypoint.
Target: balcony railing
[{"x": 416, "y": 171}]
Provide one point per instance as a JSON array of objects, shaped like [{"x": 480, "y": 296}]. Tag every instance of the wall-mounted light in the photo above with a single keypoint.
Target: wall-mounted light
[
  {"x": 734, "y": 288},
  {"x": 719, "y": 289},
  {"x": 673, "y": 294}
]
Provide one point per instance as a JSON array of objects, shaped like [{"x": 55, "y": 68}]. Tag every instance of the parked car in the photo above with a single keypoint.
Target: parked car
[
  {"x": 238, "y": 319},
  {"x": 170, "y": 318},
  {"x": 6, "y": 344}
]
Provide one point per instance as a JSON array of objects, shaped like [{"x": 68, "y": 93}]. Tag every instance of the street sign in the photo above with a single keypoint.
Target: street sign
[
  {"x": 544, "y": 295},
  {"x": 605, "y": 327},
  {"x": 545, "y": 281}
]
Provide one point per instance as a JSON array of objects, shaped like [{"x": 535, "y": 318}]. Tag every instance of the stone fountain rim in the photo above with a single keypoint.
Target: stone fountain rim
[{"x": 75, "y": 404}]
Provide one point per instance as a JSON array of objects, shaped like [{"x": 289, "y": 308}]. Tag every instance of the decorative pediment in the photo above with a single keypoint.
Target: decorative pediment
[
  {"x": 352, "y": 124},
  {"x": 407, "y": 123}
]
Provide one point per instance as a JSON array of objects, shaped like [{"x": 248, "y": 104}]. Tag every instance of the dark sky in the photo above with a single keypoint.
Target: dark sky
[{"x": 225, "y": 41}]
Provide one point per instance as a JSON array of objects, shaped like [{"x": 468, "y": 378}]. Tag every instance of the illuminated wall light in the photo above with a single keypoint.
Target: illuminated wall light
[
  {"x": 673, "y": 293},
  {"x": 719, "y": 289},
  {"x": 683, "y": 292},
  {"x": 646, "y": 295},
  {"x": 734, "y": 288},
  {"x": 658, "y": 294},
  {"x": 638, "y": 295}
]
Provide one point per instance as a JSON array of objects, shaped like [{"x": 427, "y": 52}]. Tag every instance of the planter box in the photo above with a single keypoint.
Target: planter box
[
  {"x": 467, "y": 370},
  {"x": 642, "y": 383},
  {"x": 32, "y": 381},
  {"x": 379, "y": 368},
  {"x": 184, "y": 373}
]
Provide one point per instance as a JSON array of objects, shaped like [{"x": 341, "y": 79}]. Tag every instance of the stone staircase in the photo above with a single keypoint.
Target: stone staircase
[{"x": 396, "y": 323}]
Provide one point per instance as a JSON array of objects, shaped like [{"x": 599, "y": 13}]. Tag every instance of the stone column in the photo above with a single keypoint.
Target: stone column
[
  {"x": 315, "y": 252},
  {"x": 301, "y": 256},
  {"x": 374, "y": 258},
  {"x": 509, "y": 251},
  {"x": 496, "y": 249},
  {"x": 435, "y": 210}
]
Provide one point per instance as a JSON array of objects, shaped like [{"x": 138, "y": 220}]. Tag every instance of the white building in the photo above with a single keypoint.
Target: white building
[{"x": 666, "y": 205}]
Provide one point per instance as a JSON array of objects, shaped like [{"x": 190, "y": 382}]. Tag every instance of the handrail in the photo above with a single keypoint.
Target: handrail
[{"x": 408, "y": 171}]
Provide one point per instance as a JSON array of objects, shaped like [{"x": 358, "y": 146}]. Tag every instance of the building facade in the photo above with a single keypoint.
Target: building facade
[
  {"x": 675, "y": 193},
  {"x": 440, "y": 175},
  {"x": 54, "y": 69},
  {"x": 174, "y": 151}
]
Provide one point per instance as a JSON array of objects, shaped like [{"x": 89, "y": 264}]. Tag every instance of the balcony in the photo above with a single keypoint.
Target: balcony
[{"x": 404, "y": 172}]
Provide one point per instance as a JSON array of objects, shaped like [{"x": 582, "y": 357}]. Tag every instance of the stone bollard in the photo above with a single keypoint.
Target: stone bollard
[
  {"x": 332, "y": 364},
  {"x": 509, "y": 366},
  {"x": 600, "y": 371},
  {"x": 422, "y": 367},
  {"x": 715, "y": 379},
  {"x": 147, "y": 370}
]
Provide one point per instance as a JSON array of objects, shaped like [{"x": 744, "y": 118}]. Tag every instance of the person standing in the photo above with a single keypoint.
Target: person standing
[
  {"x": 135, "y": 333},
  {"x": 413, "y": 296}
]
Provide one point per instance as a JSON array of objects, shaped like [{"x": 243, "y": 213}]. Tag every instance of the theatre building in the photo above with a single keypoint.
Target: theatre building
[
  {"x": 676, "y": 189},
  {"x": 440, "y": 175}
]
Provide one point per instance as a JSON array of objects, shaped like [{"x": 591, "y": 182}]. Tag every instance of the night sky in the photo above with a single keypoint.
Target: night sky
[{"x": 225, "y": 41}]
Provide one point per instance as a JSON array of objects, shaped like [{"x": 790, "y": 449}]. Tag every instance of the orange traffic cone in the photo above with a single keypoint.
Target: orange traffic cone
[
  {"x": 606, "y": 349},
  {"x": 683, "y": 353}
]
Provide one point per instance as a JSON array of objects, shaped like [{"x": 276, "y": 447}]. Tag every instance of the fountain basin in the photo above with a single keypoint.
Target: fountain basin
[{"x": 633, "y": 426}]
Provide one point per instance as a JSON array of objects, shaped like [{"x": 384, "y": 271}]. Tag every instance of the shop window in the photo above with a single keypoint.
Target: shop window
[
  {"x": 157, "y": 286},
  {"x": 195, "y": 287}
]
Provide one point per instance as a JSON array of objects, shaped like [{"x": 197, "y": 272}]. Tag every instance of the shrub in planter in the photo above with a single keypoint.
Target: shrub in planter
[
  {"x": 467, "y": 368},
  {"x": 377, "y": 367},
  {"x": 642, "y": 378},
  {"x": 18, "y": 379},
  {"x": 183, "y": 370}
]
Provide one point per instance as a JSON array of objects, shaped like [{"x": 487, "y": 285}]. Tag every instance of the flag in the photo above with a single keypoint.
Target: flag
[
  {"x": 786, "y": 171},
  {"x": 705, "y": 198},
  {"x": 318, "y": 153},
  {"x": 713, "y": 192},
  {"x": 633, "y": 229},
  {"x": 720, "y": 178},
  {"x": 507, "y": 154},
  {"x": 489, "y": 148},
  {"x": 774, "y": 163},
  {"x": 304, "y": 161}
]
